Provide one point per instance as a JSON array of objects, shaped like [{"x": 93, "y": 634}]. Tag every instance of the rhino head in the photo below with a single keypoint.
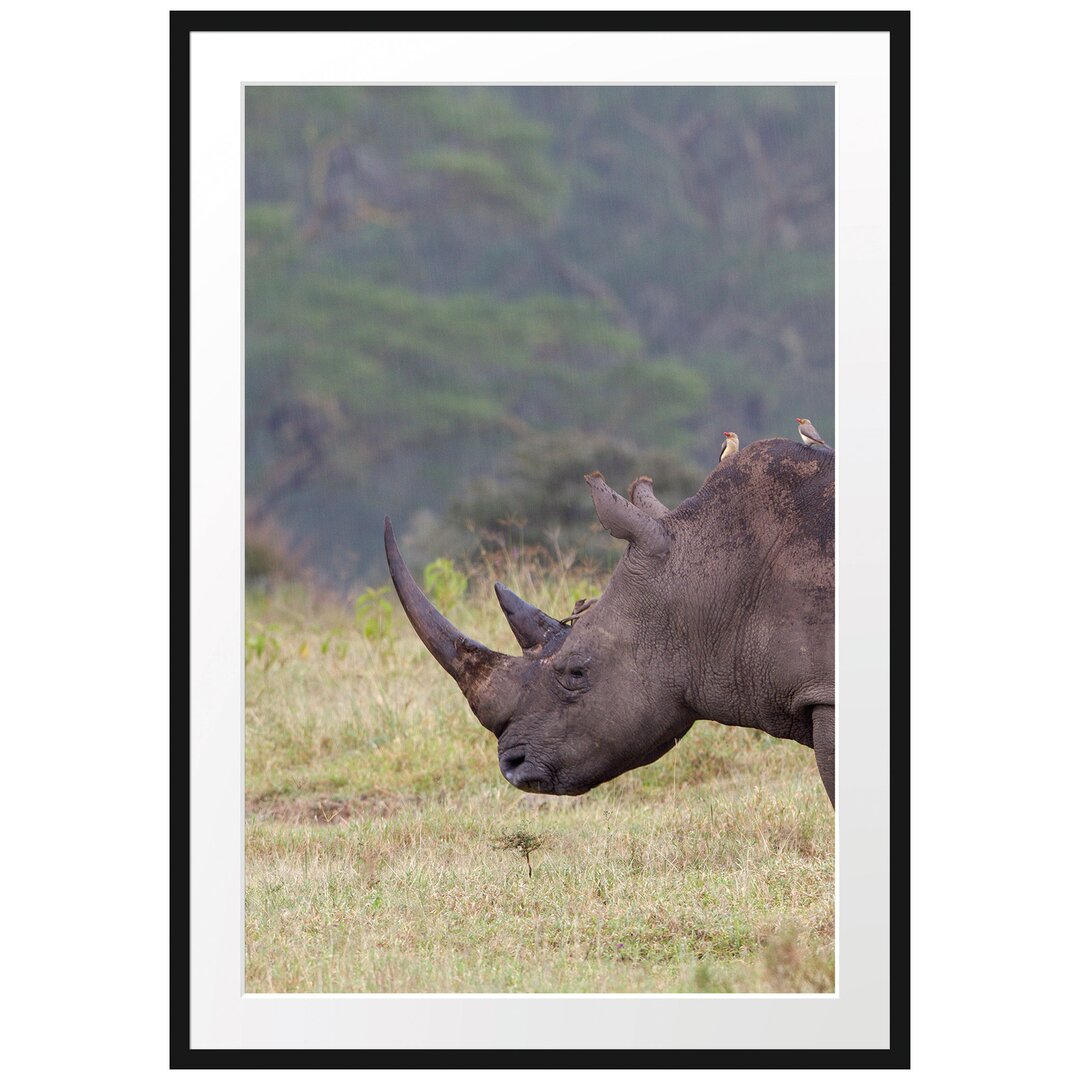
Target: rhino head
[
  {"x": 720, "y": 609},
  {"x": 583, "y": 703}
]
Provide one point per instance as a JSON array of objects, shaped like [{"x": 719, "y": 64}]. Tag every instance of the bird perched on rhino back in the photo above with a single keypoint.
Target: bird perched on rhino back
[
  {"x": 731, "y": 445},
  {"x": 809, "y": 434}
]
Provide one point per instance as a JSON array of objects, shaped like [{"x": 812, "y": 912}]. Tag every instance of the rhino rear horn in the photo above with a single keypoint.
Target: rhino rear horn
[
  {"x": 641, "y": 495},
  {"x": 531, "y": 626},
  {"x": 466, "y": 660},
  {"x": 626, "y": 521}
]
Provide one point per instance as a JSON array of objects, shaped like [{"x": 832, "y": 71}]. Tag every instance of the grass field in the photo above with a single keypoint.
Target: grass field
[{"x": 377, "y": 821}]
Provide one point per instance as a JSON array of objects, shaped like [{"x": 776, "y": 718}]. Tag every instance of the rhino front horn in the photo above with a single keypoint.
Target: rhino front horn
[{"x": 466, "y": 660}]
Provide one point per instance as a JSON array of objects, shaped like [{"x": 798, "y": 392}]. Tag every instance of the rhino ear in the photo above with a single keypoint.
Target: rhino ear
[
  {"x": 641, "y": 495},
  {"x": 626, "y": 521}
]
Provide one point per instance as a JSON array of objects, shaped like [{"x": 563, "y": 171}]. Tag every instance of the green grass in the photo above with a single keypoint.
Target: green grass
[{"x": 378, "y": 827}]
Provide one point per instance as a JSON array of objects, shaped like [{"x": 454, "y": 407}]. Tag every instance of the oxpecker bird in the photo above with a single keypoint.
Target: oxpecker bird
[
  {"x": 580, "y": 607},
  {"x": 731, "y": 445},
  {"x": 808, "y": 433}
]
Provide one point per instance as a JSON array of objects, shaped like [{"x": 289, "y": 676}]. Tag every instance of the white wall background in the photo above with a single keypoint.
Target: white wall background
[{"x": 83, "y": 441}]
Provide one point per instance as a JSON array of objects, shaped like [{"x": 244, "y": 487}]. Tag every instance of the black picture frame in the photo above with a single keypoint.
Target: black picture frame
[{"x": 182, "y": 25}]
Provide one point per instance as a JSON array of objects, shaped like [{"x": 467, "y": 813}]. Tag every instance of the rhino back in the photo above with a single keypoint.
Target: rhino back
[{"x": 774, "y": 498}]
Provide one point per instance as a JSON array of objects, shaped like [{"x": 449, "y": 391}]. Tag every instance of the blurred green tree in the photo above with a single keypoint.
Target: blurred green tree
[{"x": 446, "y": 284}]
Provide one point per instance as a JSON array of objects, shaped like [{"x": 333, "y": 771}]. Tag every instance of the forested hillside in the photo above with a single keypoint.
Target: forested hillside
[{"x": 460, "y": 299}]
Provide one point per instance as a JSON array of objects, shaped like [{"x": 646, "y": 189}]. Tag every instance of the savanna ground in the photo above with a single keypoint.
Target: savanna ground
[{"x": 378, "y": 825}]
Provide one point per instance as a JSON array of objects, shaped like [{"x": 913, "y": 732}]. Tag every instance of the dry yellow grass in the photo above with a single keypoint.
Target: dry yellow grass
[{"x": 375, "y": 810}]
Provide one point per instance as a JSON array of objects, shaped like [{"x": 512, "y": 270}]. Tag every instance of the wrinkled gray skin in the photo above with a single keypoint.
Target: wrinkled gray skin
[{"x": 721, "y": 609}]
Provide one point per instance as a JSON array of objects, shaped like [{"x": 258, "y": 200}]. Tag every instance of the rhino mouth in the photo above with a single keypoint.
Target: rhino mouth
[
  {"x": 535, "y": 776},
  {"x": 537, "y": 785},
  {"x": 524, "y": 774}
]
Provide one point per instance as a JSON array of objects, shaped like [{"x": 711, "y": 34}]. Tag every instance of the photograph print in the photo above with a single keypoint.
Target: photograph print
[{"x": 540, "y": 443}]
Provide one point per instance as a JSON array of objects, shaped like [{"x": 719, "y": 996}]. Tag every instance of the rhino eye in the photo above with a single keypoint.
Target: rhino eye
[{"x": 575, "y": 675}]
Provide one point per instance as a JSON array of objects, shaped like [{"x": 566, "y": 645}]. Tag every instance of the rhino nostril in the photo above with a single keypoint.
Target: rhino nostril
[{"x": 511, "y": 759}]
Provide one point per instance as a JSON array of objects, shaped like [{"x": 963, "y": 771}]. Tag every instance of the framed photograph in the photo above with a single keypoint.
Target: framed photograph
[{"x": 543, "y": 679}]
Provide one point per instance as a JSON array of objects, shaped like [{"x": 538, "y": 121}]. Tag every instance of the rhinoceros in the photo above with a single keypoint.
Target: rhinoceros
[{"x": 720, "y": 609}]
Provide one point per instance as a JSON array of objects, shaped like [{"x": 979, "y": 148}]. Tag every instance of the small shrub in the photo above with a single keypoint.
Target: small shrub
[
  {"x": 521, "y": 840},
  {"x": 444, "y": 585},
  {"x": 373, "y": 612}
]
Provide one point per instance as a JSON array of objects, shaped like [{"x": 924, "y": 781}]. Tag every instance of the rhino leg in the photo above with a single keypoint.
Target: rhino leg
[{"x": 824, "y": 744}]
